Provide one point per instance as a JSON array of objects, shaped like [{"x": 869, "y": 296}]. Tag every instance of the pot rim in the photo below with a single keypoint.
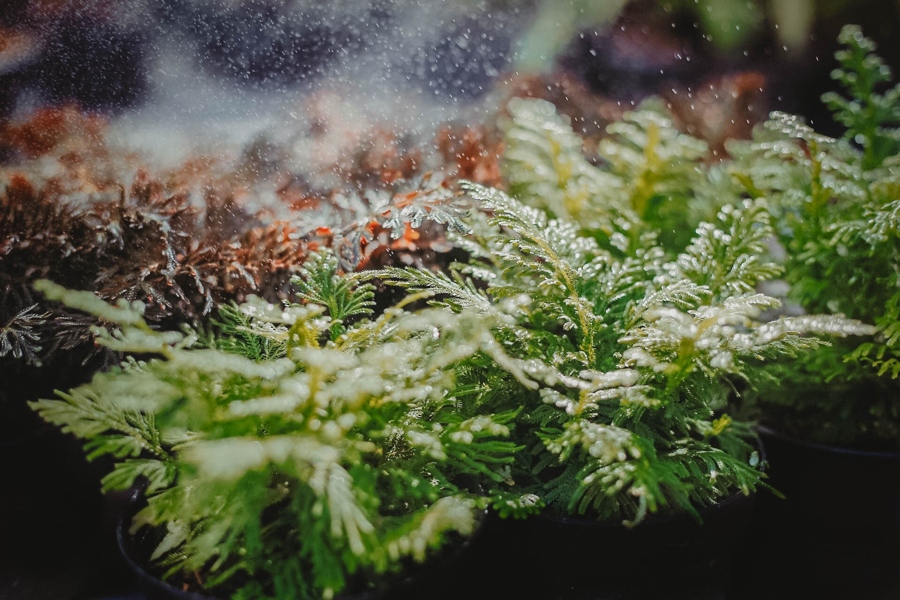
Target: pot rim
[{"x": 840, "y": 450}]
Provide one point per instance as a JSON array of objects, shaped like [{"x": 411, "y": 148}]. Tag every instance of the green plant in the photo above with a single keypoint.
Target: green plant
[
  {"x": 637, "y": 353},
  {"x": 630, "y": 286},
  {"x": 294, "y": 451},
  {"x": 650, "y": 178},
  {"x": 836, "y": 210}
]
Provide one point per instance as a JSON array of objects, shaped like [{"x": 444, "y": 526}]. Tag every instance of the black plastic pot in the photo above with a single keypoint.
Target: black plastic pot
[
  {"x": 836, "y": 533},
  {"x": 675, "y": 558},
  {"x": 437, "y": 579}
]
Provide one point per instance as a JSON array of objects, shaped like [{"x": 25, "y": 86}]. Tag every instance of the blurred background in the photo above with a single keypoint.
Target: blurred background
[{"x": 173, "y": 72}]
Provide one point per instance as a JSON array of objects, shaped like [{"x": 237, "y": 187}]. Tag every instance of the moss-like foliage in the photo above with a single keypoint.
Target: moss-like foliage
[
  {"x": 299, "y": 450},
  {"x": 649, "y": 178},
  {"x": 637, "y": 355},
  {"x": 835, "y": 203}
]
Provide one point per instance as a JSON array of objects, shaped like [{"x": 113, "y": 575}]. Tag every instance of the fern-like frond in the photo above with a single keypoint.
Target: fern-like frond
[
  {"x": 157, "y": 475},
  {"x": 433, "y": 201},
  {"x": 644, "y": 183},
  {"x": 19, "y": 338},
  {"x": 545, "y": 165},
  {"x": 446, "y": 290},
  {"x": 615, "y": 460},
  {"x": 123, "y": 312},
  {"x": 343, "y": 296},
  {"x": 548, "y": 256},
  {"x": 871, "y": 118},
  {"x": 108, "y": 429},
  {"x": 242, "y": 330},
  {"x": 731, "y": 256},
  {"x": 657, "y": 162}
]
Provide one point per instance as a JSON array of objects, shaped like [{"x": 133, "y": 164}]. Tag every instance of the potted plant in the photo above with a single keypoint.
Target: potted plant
[
  {"x": 297, "y": 451},
  {"x": 831, "y": 419},
  {"x": 185, "y": 239},
  {"x": 638, "y": 336},
  {"x": 95, "y": 215}
]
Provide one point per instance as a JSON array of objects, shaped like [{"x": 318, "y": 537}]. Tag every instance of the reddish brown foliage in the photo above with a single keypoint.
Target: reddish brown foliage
[
  {"x": 50, "y": 128},
  {"x": 722, "y": 108},
  {"x": 589, "y": 112},
  {"x": 472, "y": 153}
]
